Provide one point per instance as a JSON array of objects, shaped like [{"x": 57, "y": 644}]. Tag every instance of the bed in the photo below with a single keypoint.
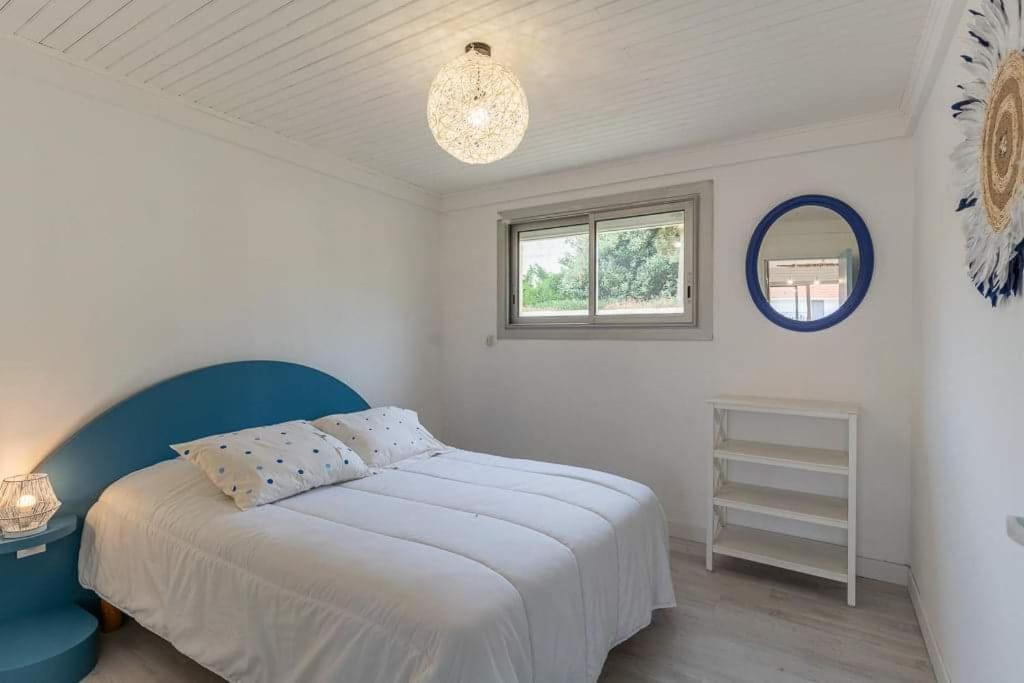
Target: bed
[{"x": 451, "y": 567}]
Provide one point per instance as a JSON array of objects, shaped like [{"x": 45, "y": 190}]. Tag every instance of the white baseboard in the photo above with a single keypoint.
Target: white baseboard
[
  {"x": 867, "y": 567},
  {"x": 938, "y": 666},
  {"x": 686, "y": 532},
  {"x": 881, "y": 570}
]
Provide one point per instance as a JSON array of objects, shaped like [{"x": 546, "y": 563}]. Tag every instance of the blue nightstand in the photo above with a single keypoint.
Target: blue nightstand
[{"x": 55, "y": 645}]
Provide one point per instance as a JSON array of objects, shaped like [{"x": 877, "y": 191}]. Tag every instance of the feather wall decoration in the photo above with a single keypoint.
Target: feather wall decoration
[{"x": 988, "y": 162}]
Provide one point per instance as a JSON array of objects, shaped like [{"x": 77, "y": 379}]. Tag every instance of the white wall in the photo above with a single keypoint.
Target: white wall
[
  {"x": 638, "y": 408},
  {"x": 133, "y": 250},
  {"x": 968, "y": 465}
]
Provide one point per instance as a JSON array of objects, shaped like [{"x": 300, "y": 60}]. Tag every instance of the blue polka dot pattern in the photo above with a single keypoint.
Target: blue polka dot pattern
[
  {"x": 380, "y": 436},
  {"x": 254, "y": 473}
]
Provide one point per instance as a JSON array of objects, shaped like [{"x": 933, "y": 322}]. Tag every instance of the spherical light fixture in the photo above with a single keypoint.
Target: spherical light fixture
[{"x": 477, "y": 110}]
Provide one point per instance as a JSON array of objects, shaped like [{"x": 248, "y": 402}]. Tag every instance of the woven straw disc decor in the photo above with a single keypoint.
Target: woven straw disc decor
[{"x": 1003, "y": 143}]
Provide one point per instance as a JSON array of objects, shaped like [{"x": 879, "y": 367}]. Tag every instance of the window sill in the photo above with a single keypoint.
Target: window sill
[{"x": 615, "y": 332}]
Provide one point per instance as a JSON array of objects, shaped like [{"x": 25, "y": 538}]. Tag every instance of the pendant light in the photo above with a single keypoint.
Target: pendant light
[{"x": 477, "y": 109}]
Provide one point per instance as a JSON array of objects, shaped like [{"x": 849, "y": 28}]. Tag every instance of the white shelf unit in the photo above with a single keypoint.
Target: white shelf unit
[{"x": 817, "y": 558}]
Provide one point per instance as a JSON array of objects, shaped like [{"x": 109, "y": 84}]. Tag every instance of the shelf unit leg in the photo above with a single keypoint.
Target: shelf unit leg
[
  {"x": 709, "y": 559},
  {"x": 851, "y": 533},
  {"x": 719, "y": 429},
  {"x": 709, "y": 544}
]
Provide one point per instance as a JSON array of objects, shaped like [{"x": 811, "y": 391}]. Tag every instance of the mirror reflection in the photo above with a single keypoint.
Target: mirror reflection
[{"x": 808, "y": 263}]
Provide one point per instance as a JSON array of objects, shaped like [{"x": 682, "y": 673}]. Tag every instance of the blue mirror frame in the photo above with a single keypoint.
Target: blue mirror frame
[{"x": 864, "y": 245}]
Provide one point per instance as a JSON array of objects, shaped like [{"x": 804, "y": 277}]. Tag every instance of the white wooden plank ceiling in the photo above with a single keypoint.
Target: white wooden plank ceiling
[{"x": 606, "y": 79}]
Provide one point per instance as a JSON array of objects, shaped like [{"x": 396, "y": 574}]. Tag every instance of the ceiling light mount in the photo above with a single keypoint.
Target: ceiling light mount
[{"x": 482, "y": 48}]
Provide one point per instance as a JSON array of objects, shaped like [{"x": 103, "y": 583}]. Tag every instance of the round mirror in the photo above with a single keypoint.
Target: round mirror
[{"x": 809, "y": 263}]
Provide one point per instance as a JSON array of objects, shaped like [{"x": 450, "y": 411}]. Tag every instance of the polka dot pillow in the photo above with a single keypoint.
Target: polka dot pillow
[
  {"x": 264, "y": 464},
  {"x": 382, "y": 436}
]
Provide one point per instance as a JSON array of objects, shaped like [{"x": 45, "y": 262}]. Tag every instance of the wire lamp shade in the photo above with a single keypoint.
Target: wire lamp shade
[
  {"x": 477, "y": 109},
  {"x": 27, "y": 502}
]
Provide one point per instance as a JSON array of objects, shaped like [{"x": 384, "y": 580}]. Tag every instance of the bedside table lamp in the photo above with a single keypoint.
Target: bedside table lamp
[{"x": 27, "y": 502}]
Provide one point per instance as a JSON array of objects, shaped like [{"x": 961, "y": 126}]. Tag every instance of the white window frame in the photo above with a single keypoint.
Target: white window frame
[{"x": 695, "y": 323}]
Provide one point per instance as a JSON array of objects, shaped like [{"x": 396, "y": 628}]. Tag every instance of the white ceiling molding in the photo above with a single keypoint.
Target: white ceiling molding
[
  {"x": 939, "y": 31},
  {"x": 22, "y": 58},
  {"x": 636, "y": 173}
]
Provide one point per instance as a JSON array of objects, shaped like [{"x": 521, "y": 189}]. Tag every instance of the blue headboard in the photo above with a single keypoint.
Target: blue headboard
[{"x": 137, "y": 432}]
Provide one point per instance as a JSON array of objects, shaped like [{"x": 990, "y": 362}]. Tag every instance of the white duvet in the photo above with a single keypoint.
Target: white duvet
[{"x": 455, "y": 568}]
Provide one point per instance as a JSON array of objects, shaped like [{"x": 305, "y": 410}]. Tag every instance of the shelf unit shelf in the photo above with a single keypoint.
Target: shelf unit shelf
[
  {"x": 827, "y": 560},
  {"x": 787, "y": 406},
  {"x": 795, "y": 457},
  {"x": 804, "y": 507}
]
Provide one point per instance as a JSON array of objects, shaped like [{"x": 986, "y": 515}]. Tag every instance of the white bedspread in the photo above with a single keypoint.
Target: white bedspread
[{"x": 456, "y": 568}]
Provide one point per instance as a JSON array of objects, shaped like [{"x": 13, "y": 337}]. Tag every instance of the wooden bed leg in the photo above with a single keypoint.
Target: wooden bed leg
[{"x": 111, "y": 618}]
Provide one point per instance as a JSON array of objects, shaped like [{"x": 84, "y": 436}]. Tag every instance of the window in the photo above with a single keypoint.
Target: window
[
  {"x": 626, "y": 267},
  {"x": 554, "y": 272}
]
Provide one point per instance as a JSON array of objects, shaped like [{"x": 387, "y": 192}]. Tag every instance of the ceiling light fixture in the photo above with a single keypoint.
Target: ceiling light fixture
[{"x": 477, "y": 109}]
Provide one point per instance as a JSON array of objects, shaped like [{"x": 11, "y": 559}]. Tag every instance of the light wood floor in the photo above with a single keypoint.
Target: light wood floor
[{"x": 741, "y": 623}]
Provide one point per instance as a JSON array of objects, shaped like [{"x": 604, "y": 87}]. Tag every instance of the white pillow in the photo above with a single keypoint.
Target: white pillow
[
  {"x": 264, "y": 464},
  {"x": 382, "y": 436}
]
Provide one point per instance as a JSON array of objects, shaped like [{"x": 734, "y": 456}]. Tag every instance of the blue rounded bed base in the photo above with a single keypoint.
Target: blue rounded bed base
[{"x": 137, "y": 433}]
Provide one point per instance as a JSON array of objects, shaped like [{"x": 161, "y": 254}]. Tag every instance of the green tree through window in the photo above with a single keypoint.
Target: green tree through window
[{"x": 634, "y": 266}]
